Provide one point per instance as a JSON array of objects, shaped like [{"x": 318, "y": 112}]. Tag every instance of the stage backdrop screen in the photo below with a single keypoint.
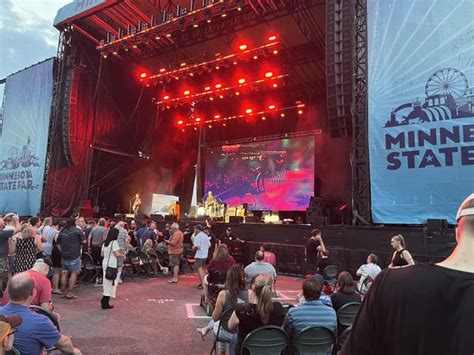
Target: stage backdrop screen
[
  {"x": 421, "y": 108},
  {"x": 275, "y": 175},
  {"x": 24, "y": 138}
]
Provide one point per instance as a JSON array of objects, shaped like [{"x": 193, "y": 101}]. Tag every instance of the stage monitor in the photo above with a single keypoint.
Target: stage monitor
[
  {"x": 275, "y": 175},
  {"x": 164, "y": 204},
  {"x": 421, "y": 108}
]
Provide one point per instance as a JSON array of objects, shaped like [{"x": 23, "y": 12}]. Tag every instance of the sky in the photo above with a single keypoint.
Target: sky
[{"x": 27, "y": 35}]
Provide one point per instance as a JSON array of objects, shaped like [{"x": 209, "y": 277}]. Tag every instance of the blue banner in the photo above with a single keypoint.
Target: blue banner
[
  {"x": 421, "y": 108},
  {"x": 24, "y": 138}
]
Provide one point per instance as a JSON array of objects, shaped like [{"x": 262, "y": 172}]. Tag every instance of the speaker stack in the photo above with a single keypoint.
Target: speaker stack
[{"x": 314, "y": 213}]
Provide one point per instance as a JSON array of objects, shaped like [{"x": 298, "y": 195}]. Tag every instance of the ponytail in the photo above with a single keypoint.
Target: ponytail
[
  {"x": 263, "y": 290},
  {"x": 402, "y": 241}
]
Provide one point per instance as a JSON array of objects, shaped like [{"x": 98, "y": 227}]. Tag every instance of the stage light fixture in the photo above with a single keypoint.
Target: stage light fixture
[
  {"x": 255, "y": 57},
  {"x": 166, "y": 97},
  {"x": 224, "y": 15},
  {"x": 237, "y": 93},
  {"x": 268, "y": 74},
  {"x": 235, "y": 63},
  {"x": 197, "y": 119},
  {"x": 300, "y": 112},
  {"x": 217, "y": 67},
  {"x": 275, "y": 52},
  {"x": 224, "y": 124},
  {"x": 217, "y": 117},
  {"x": 195, "y": 25},
  {"x": 271, "y": 107},
  {"x": 176, "y": 77},
  {"x": 221, "y": 96},
  {"x": 207, "y": 88},
  {"x": 211, "y": 99},
  {"x": 209, "y": 20},
  {"x": 263, "y": 118},
  {"x": 135, "y": 46},
  {"x": 210, "y": 126},
  {"x": 168, "y": 35},
  {"x": 275, "y": 85},
  {"x": 272, "y": 38},
  {"x": 114, "y": 53},
  {"x": 143, "y": 75},
  {"x": 191, "y": 74},
  {"x": 248, "y": 111},
  {"x": 162, "y": 70},
  {"x": 242, "y": 81},
  {"x": 183, "y": 64},
  {"x": 282, "y": 115},
  {"x": 157, "y": 38},
  {"x": 243, "y": 47},
  {"x": 105, "y": 55},
  {"x": 187, "y": 92},
  {"x": 195, "y": 128},
  {"x": 218, "y": 86},
  {"x": 180, "y": 122}
]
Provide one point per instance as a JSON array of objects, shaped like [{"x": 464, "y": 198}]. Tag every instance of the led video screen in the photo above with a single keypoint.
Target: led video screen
[{"x": 275, "y": 175}]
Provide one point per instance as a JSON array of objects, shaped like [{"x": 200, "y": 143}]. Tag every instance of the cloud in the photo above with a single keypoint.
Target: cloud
[{"x": 27, "y": 35}]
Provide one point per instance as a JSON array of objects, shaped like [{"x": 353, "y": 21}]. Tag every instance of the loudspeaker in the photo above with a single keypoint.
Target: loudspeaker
[
  {"x": 339, "y": 39},
  {"x": 69, "y": 116},
  {"x": 314, "y": 217},
  {"x": 236, "y": 219}
]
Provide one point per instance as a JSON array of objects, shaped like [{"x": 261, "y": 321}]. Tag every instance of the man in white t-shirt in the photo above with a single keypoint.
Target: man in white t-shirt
[
  {"x": 201, "y": 245},
  {"x": 368, "y": 272}
]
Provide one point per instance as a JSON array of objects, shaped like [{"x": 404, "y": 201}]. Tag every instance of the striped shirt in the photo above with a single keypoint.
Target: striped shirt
[{"x": 310, "y": 314}]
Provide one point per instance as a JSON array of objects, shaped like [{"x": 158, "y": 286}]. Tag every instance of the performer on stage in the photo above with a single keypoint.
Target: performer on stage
[
  {"x": 137, "y": 202},
  {"x": 210, "y": 204}
]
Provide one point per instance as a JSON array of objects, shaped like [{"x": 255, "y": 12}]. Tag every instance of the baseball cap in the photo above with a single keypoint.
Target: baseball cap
[
  {"x": 466, "y": 208},
  {"x": 6, "y": 325},
  {"x": 199, "y": 227}
]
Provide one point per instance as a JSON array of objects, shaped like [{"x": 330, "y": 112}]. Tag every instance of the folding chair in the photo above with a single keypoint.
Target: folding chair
[
  {"x": 268, "y": 340},
  {"x": 91, "y": 270},
  {"x": 52, "y": 317},
  {"x": 314, "y": 341},
  {"x": 341, "y": 339},
  {"x": 347, "y": 313}
]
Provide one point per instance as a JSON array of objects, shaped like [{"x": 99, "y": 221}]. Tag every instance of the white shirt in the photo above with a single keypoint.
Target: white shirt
[
  {"x": 367, "y": 270},
  {"x": 201, "y": 241},
  {"x": 109, "y": 250}
]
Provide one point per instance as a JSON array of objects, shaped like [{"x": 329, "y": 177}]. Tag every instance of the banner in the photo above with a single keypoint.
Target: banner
[
  {"x": 24, "y": 138},
  {"x": 421, "y": 108}
]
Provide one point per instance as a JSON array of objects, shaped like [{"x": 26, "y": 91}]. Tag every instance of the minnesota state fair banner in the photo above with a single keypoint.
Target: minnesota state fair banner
[
  {"x": 24, "y": 138},
  {"x": 421, "y": 108}
]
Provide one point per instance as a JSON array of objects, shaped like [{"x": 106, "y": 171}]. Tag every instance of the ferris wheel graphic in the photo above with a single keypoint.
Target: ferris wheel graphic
[{"x": 447, "y": 81}]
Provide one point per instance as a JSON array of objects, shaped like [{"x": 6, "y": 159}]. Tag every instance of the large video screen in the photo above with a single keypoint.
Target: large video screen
[
  {"x": 421, "y": 108},
  {"x": 275, "y": 175}
]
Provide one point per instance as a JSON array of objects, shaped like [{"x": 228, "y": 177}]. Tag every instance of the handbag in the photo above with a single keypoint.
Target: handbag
[{"x": 110, "y": 272}]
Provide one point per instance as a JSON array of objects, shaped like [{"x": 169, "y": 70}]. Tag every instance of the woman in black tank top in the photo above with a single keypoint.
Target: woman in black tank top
[{"x": 401, "y": 257}]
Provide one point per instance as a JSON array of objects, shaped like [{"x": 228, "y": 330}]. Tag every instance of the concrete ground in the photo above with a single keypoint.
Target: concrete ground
[{"x": 150, "y": 316}]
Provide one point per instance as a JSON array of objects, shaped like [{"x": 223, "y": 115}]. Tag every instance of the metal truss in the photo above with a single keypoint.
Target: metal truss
[{"x": 360, "y": 152}]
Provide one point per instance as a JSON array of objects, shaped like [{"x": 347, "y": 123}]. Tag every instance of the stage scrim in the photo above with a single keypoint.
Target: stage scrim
[
  {"x": 24, "y": 138},
  {"x": 273, "y": 175},
  {"x": 421, "y": 108}
]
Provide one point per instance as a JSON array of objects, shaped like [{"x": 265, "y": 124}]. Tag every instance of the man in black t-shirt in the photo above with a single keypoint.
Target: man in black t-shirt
[
  {"x": 311, "y": 250},
  {"x": 424, "y": 308}
]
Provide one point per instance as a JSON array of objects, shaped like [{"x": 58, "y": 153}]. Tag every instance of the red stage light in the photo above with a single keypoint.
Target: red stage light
[
  {"x": 275, "y": 85},
  {"x": 180, "y": 122},
  {"x": 268, "y": 74},
  {"x": 243, "y": 47},
  {"x": 263, "y": 118},
  {"x": 166, "y": 97},
  {"x": 300, "y": 112},
  {"x": 218, "y": 86},
  {"x": 275, "y": 52},
  {"x": 198, "y": 119},
  {"x": 143, "y": 75},
  {"x": 272, "y": 38},
  {"x": 248, "y": 111},
  {"x": 255, "y": 57},
  {"x": 271, "y": 107},
  {"x": 187, "y": 92},
  {"x": 207, "y": 88},
  {"x": 162, "y": 70},
  {"x": 217, "y": 116},
  {"x": 282, "y": 114},
  {"x": 242, "y": 81}
]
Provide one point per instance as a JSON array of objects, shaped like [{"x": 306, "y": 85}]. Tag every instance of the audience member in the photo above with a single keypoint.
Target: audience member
[
  {"x": 95, "y": 240},
  {"x": 220, "y": 263},
  {"x": 311, "y": 312},
  {"x": 311, "y": 249},
  {"x": 56, "y": 261},
  {"x": 234, "y": 293},
  {"x": 80, "y": 224},
  {"x": 227, "y": 237},
  {"x": 110, "y": 254},
  {"x": 121, "y": 240},
  {"x": 12, "y": 223},
  {"x": 367, "y": 273},
  {"x": 70, "y": 241},
  {"x": 36, "y": 332},
  {"x": 90, "y": 225},
  {"x": 187, "y": 242},
  {"x": 139, "y": 234},
  {"x": 345, "y": 291},
  {"x": 5, "y": 235},
  {"x": 401, "y": 257},
  {"x": 149, "y": 233},
  {"x": 35, "y": 223},
  {"x": 26, "y": 248},
  {"x": 48, "y": 236},
  {"x": 150, "y": 251},
  {"x": 259, "y": 267},
  {"x": 201, "y": 244},
  {"x": 8, "y": 325},
  {"x": 175, "y": 250},
  {"x": 260, "y": 312},
  {"x": 324, "y": 297},
  {"x": 47, "y": 224},
  {"x": 268, "y": 255},
  {"x": 423, "y": 309},
  {"x": 167, "y": 231}
]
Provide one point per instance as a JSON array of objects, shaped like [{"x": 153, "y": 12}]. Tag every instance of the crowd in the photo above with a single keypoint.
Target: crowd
[{"x": 39, "y": 258}]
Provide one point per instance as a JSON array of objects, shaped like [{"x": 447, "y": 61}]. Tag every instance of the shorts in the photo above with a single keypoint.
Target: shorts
[
  {"x": 71, "y": 265},
  {"x": 199, "y": 263},
  {"x": 175, "y": 259},
  {"x": 3, "y": 268}
]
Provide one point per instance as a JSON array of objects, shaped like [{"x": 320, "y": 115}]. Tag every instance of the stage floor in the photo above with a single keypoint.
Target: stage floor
[{"x": 150, "y": 316}]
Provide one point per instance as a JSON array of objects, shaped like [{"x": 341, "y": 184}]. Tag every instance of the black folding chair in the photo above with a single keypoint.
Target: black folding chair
[
  {"x": 51, "y": 316},
  {"x": 268, "y": 340},
  {"x": 341, "y": 339},
  {"x": 314, "y": 341},
  {"x": 347, "y": 313},
  {"x": 223, "y": 324},
  {"x": 90, "y": 270}
]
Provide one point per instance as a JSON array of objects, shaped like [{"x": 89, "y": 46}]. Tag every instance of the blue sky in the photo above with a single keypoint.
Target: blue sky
[{"x": 27, "y": 35}]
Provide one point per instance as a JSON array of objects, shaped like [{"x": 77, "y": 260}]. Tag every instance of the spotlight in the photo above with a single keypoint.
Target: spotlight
[
  {"x": 237, "y": 93},
  {"x": 157, "y": 38},
  {"x": 224, "y": 15},
  {"x": 224, "y": 124},
  {"x": 275, "y": 85},
  {"x": 143, "y": 75},
  {"x": 243, "y": 47},
  {"x": 207, "y": 88},
  {"x": 221, "y": 96},
  {"x": 166, "y": 97},
  {"x": 217, "y": 67},
  {"x": 162, "y": 70},
  {"x": 168, "y": 35},
  {"x": 218, "y": 86},
  {"x": 263, "y": 118},
  {"x": 114, "y": 53},
  {"x": 183, "y": 64},
  {"x": 135, "y": 46},
  {"x": 197, "y": 119},
  {"x": 272, "y": 38},
  {"x": 268, "y": 74},
  {"x": 180, "y": 122},
  {"x": 195, "y": 25},
  {"x": 275, "y": 52},
  {"x": 255, "y": 57},
  {"x": 235, "y": 63},
  {"x": 210, "y": 126},
  {"x": 217, "y": 117},
  {"x": 187, "y": 92},
  {"x": 300, "y": 112},
  {"x": 282, "y": 115},
  {"x": 271, "y": 107},
  {"x": 248, "y": 111},
  {"x": 211, "y": 99},
  {"x": 242, "y": 81}
]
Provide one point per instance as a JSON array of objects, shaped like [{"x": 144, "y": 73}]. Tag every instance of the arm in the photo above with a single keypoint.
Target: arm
[
  {"x": 65, "y": 345},
  {"x": 233, "y": 323},
  {"x": 323, "y": 247},
  {"x": 216, "y": 315},
  {"x": 408, "y": 258},
  {"x": 359, "y": 270},
  {"x": 89, "y": 240},
  {"x": 118, "y": 254},
  {"x": 39, "y": 244}
]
